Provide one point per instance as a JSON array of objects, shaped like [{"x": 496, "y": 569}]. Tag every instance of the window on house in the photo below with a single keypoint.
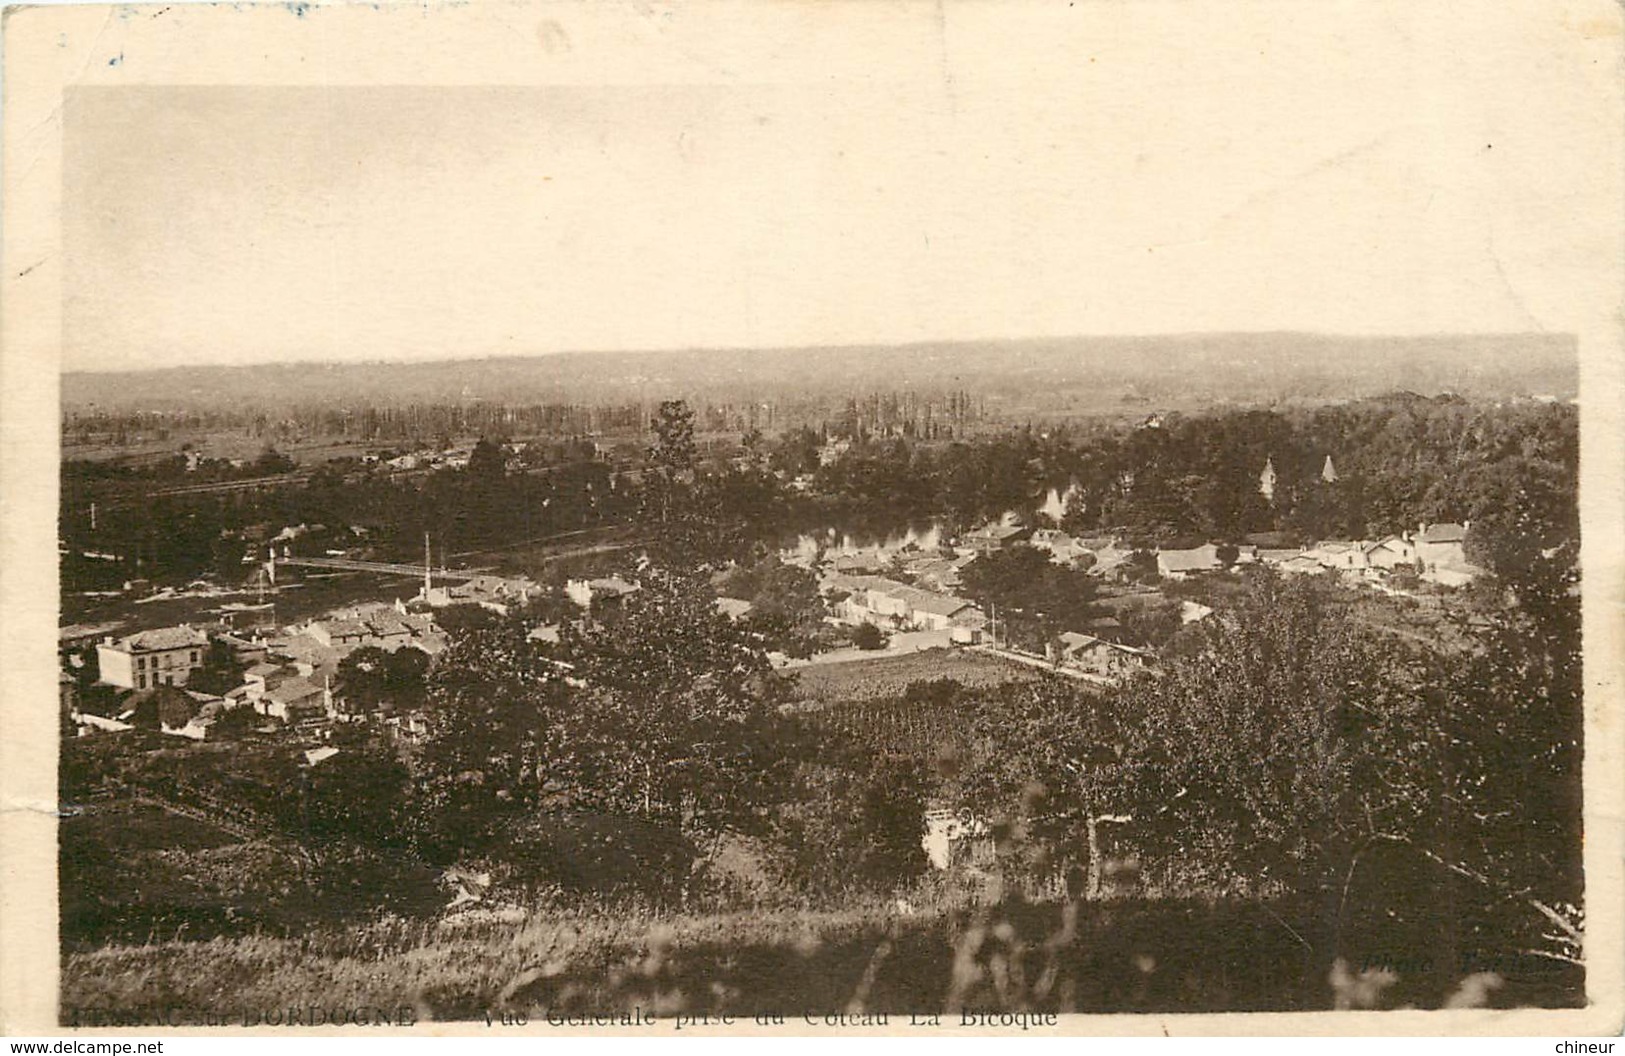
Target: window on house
[
  {"x": 140, "y": 663},
  {"x": 194, "y": 656},
  {"x": 141, "y": 682}
]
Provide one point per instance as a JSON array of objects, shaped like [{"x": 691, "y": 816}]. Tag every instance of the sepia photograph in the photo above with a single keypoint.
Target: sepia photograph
[{"x": 872, "y": 518}]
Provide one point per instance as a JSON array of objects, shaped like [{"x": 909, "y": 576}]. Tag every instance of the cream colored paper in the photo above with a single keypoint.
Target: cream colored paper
[{"x": 843, "y": 172}]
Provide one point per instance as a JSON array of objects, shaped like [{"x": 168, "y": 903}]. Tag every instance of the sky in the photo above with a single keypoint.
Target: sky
[{"x": 1120, "y": 171}]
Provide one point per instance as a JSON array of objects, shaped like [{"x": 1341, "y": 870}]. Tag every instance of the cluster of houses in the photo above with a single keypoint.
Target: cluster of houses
[
  {"x": 455, "y": 457},
  {"x": 287, "y": 679},
  {"x": 499, "y": 594},
  {"x": 1435, "y": 552},
  {"x": 906, "y": 586},
  {"x": 902, "y": 606},
  {"x": 288, "y": 675}
]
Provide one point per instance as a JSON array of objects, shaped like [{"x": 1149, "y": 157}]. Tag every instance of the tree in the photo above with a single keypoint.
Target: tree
[
  {"x": 854, "y": 821},
  {"x": 235, "y": 723},
  {"x": 370, "y": 679},
  {"x": 1247, "y": 765},
  {"x": 272, "y": 461},
  {"x": 1502, "y": 800},
  {"x": 221, "y": 671},
  {"x": 490, "y": 704},
  {"x": 659, "y": 711},
  {"x": 362, "y": 682},
  {"x": 488, "y": 462},
  {"x": 1030, "y": 592},
  {"x": 406, "y": 673},
  {"x": 682, "y": 718},
  {"x": 359, "y": 794},
  {"x": 796, "y": 452},
  {"x": 787, "y": 609},
  {"x": 1383, "y": 787},
  {"x": 673, "y": 426}
]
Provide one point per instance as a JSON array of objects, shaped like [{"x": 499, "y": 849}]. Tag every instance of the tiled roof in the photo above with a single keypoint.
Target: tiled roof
[
  {"x": 294, "y": 689},
  {"x": 165, "y": 638},
  {"x": 1193, "y": 560},
  {"x": 927, "y": 601}
]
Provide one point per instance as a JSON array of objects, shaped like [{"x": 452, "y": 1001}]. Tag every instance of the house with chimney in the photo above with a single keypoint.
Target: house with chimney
[
  {"x": 166, "y": 656},
  {"x": 1445, "y": 544},
  {"x": 1441, "y": 550},
  {"x": 1390, "y": 552}
]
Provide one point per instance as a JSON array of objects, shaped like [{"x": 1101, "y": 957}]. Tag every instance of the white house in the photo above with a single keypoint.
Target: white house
[
  {"x": 1338, "y": 554},
  {"x": 1096, "y": 656},
  {"x": 292, "y": 700},
  {"x": 585, "y": 591},
  {"x": 1441, "y": 548},
  {"x": 163, "y": 657},
  {"x": 1394, "y": 551},
  {"x": 1442, "y": 544},
  {"x": 874, "y": 599}
]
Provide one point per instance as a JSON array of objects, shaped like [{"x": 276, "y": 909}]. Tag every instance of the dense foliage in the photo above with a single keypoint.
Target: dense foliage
[
  {"x": 1290, "y": 754},
  {"x": 1399, "y": 461},
  {"x": 1385, "y": 791}
]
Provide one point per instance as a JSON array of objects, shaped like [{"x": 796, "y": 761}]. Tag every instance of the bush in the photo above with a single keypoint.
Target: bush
[
  {"x": 602, "y": 854},
  {"x": 869, "y": 637},
  {"x": 854, "y": 827}
]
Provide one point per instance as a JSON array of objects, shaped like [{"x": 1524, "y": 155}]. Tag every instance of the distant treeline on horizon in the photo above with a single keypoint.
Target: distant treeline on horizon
[{"x": 1029, "y": 378}]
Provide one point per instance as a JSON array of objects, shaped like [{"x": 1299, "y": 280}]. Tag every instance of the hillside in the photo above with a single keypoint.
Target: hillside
[{"x": 1035, "y": 377}]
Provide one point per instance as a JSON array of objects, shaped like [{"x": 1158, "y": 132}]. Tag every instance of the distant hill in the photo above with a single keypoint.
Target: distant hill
[{"x": 1039, "y": 377}]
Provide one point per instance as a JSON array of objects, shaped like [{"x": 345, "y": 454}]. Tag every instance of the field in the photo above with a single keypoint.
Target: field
[
  {"x": 887, "y": 677},
  {"x": 218, "y": 443}
]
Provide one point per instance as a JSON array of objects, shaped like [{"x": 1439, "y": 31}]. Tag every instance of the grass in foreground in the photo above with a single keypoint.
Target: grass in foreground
[{"x": 1125, "y": 955}]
